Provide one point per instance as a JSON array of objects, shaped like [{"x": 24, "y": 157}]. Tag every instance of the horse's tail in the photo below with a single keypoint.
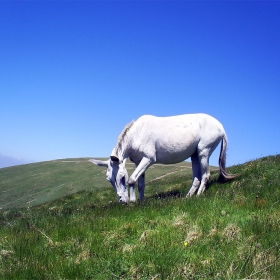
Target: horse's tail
[{"x": 222, "y": 161}]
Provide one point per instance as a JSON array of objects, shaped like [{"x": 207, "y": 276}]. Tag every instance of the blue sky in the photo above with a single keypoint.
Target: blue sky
[{"x": 74, "y": 73}]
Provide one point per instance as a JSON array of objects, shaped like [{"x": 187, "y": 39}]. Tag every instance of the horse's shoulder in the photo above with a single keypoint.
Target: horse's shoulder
[{"x": 146, "y": 117}]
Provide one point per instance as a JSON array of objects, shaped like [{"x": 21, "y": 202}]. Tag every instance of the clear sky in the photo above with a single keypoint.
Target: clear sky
[{"x": 74, "y": 73}]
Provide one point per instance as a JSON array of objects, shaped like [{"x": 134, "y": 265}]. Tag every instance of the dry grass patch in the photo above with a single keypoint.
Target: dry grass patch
[
  {"x": 193, "y": 234},
  {"x": 232, "y": 232}
]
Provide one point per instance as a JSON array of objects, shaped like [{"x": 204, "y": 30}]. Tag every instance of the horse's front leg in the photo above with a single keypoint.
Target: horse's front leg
[
  {"x": 141, "y": 189},
  {"x": 137, "y": 175},
  {"x": 132, "y": 194},
  {"x": 141, "y": 186}
]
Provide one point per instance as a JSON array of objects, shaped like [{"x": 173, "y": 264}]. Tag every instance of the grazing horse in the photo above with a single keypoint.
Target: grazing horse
[{"x": 165, "y": 140}]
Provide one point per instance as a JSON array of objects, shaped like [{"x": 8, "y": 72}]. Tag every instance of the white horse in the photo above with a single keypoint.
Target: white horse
[{"x": 165, "y": 140}]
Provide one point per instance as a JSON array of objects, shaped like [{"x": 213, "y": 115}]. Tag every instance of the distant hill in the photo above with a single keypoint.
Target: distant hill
[{"x": 7, "y": 161}]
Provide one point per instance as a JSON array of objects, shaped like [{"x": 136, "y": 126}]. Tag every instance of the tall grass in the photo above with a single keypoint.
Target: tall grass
[{"x": 231, "y": 232}]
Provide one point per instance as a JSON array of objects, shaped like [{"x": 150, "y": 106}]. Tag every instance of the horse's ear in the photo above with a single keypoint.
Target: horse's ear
[
  {"x": 99, "y": 162},
  {"x": 115, "y": 159}
]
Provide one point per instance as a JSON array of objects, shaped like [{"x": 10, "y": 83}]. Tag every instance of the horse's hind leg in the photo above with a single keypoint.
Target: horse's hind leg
[
  {"x": 205, "y": 172},
  {"x": 196, "y": 174}
]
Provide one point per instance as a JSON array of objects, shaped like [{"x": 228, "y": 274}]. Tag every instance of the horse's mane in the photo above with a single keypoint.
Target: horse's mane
[{"x": 123, "y": 135}]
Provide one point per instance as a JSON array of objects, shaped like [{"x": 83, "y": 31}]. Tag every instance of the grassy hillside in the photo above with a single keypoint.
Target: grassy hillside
[
  {"x": 37, "y": 183},
  {"x": 231, "y": 232}
]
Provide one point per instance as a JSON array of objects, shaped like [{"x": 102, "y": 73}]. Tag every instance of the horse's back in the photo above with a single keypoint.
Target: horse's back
[
  {"x": 173, "y": 139},
  {"x": 191, "y": 121}
]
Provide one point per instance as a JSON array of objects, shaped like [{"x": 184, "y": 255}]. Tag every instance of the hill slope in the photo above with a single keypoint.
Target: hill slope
[
  {"x": 37, "y": 183},
  {"x": 230, "y": 232}
]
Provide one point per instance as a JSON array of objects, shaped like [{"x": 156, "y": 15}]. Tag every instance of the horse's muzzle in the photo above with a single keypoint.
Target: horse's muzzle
[{"x": 123, "y": 200}]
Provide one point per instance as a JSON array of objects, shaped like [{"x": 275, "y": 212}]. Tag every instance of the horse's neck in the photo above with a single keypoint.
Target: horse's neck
[{"x": 121, "y": 151}]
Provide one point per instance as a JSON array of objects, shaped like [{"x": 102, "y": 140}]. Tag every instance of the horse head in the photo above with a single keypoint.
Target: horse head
[{"x": 117, "y": 175}]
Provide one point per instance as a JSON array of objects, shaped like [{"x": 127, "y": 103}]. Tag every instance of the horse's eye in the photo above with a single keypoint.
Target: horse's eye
[{"x": 123, "y": 181}]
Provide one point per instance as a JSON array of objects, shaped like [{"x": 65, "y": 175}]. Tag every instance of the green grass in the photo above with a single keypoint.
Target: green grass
[{"x": 230, "y": 232}]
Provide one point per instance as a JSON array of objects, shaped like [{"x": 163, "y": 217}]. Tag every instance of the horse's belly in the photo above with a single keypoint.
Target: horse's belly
[{"x": 175, "y": 153}]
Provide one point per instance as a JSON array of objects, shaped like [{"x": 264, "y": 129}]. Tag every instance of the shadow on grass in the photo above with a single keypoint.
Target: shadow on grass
[
  {"x": 167, "y": 194},
  {"x": 179, "y": 193}
]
